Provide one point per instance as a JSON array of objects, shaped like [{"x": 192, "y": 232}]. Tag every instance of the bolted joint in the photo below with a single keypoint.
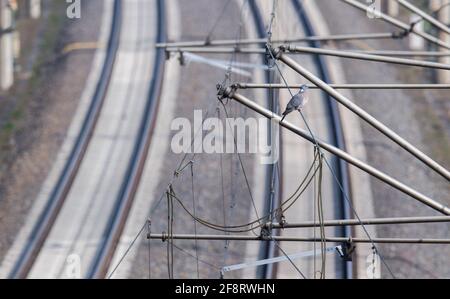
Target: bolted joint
[
  {"x": 225, "y": 92},
  {"x": 277, "y": 52}
]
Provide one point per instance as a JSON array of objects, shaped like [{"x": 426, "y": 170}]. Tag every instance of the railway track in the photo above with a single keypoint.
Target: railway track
[
  {"x": 135, "y": 168},
  {"x": 97, "y": 244},
  {"x": 268, "y": 249},
  {"x": 47, "y": 218}
]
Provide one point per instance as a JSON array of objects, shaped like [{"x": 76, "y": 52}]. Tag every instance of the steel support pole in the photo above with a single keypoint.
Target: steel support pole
[
  {"x": 341, "y": 86},
  {"x": 374, "y": 55},
  {"x": 363, "y": 114},
  {"x": 405, "y": 53},
  {"x": 424, "y": 15},
  {"x": 340, "y": 37},
  {"x": 230, "y": 93},
  {"x": 367, "y": 57},
  {"x": 355, "y": 222},
  {"x": 212, "y": 50},
  {"x": 165, "y": 237},
  {"x": 399, "y": 24}
]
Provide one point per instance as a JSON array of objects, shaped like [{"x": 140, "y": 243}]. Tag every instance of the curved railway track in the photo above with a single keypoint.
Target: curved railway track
[
  {"x": 59, "y": 193},
  {"x": 268, "y": 249},
  {"x": 98, "y": 265},
  {"x": 135, "y": 168}
]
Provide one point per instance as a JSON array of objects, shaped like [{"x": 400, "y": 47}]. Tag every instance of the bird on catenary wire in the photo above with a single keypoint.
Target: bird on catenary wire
[{"x": 297, "y": 102}]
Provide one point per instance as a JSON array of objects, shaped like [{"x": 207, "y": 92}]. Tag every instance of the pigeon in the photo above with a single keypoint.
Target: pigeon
[{"x": 297, "y": 102}]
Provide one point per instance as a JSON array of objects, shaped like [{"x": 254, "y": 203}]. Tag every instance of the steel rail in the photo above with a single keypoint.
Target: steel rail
[
  {"x": 124, "y": 201},
  {"x": 59, "y": 193},
  {"x": 365, "y": 57},
  {"x": 231, "y": 94},
  {"x": 424, "y": 15},
  {"x": 165, "y": 237},
  {"x": 335, "y": 127},
  {"x": 341, "y": 86},
  {"x": 278, "y": 53},
  {"x": 406, "y": 27},
  {"x": 355, "y": 222}
]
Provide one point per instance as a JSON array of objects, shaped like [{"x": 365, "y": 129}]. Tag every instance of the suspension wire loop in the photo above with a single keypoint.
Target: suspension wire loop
[
  {"x": 424, "y": 16},
  {"x": 235, "y": 229},
  {"x": 393, "y": 21},
  {"x": 195, "y": 214}
]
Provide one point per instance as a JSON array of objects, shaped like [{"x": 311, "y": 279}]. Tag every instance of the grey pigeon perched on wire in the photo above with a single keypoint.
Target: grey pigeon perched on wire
[{"x": 297, "y": 102}]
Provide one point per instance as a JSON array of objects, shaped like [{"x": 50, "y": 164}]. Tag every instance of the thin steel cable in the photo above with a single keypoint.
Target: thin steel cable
[
  {"x": 290, "y": 260},
  {"x": 213, "y": 28},
  {"x": 241, "y": 163},
  {"x": 193, "y": 256},
  {"x": 195, "y": 214},
  {"x": 128, "y": 250},
  {"x": 178, "y": 170},
  {"x": 149, "y": 233},
  {"x": 222, "y": 185},
  {"x": 321, "y": 219}
]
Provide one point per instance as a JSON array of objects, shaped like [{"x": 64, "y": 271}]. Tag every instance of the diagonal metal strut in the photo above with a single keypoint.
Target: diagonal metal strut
[
  {"x": 280, "y": 55},
  {"x": 231, "y": 94}
]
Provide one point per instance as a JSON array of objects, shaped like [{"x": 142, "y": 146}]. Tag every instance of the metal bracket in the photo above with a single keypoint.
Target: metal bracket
[{"x": 346, "y": 250}]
